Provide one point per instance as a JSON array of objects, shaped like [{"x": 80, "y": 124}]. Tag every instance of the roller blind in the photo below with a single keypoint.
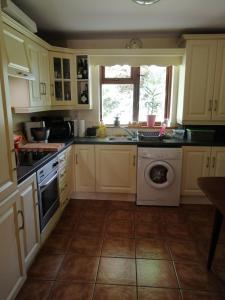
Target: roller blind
[{"x": 136, "y": 60}]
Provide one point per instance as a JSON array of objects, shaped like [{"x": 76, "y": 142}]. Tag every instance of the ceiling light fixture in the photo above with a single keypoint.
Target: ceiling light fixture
[{"x": 145, "y": 2}]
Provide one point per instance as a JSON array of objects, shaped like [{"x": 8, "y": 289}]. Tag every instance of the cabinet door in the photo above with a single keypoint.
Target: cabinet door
[
  {"x": 218, "y": 112},
  {"x": 199, "y": 81},
  {"x": 12, "y": 272},
  {"x": 196, "y": 163},
  {"x": 116, "y": 169},
  {"x": 85, "y": 168},
  {"x": 45, "y": 76},
  {"x": 28, "y": 209},
  {"x": 36, "y": 89},
  {"x": 217, "y": 161},
  {"x": 16, "y": 51},
  {"x": 8, "y": 180},
  {"x": 62, "y": 70}
]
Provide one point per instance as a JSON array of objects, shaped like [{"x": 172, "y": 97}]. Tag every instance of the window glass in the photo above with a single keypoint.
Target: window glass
[
  {"x": 152, "y": 92},
  {"x": 118, "y": 71},
  {"x": 117, "y": 101}
]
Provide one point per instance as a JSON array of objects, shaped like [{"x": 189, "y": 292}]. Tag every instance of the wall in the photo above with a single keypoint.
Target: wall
[{"x": 161, "y": 41}]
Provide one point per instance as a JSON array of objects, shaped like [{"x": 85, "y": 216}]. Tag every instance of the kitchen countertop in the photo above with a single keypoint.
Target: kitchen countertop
[{"x": 24, "y": 172}]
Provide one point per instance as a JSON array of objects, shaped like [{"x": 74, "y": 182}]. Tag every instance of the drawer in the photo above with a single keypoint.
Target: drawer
[
  {"x": 64, "y": 199},
  {"x": 62, "y": 174},
  {"x": 63, "y": 186}
]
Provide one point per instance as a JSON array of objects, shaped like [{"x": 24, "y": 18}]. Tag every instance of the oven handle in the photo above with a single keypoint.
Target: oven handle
[{"x": 49, "y": 181}]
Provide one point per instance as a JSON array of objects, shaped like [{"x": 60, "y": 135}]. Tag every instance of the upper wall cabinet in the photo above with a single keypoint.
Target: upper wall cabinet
[
  {"x": 18, "y": 63},
  {"x": 63, "y": 88},
  {"x": 40, "y": 87},
  {"x": 83, "y": 82},
  {"x": 203, "y": 101}
]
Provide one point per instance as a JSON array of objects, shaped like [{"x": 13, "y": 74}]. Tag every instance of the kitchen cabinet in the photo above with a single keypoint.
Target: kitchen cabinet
[
  {"x": 40, "y": 87},
  {"x": 203, "y": 98},
  {"x": 12, "y": 269},
  {"x": 200, "y": 162},
  {"x": 116, "y": 168},
  {"x": 85, "y": 168},
  {"x": 65, "y": 176},
  {"x": 83, "y": 82},
  {"x": 27, "y": 208},
  {"x": 17, "y": 56},
  {"x": 8, "y": 180},
  {"x": 63, "y": 87}
]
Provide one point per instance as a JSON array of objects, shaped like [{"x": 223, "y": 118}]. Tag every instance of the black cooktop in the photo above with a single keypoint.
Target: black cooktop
[{"x": 30, "y": 158}]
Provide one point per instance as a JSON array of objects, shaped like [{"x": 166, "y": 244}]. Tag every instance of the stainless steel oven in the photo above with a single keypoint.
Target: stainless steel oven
[{"x": 48, "y": 191}]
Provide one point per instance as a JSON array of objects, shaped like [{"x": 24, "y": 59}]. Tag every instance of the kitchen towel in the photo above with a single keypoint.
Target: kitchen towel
[{"x": 81, "y": 128}]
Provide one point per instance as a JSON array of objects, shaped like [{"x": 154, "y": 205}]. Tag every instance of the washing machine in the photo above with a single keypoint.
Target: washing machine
[{"x": 159, "y": 176}]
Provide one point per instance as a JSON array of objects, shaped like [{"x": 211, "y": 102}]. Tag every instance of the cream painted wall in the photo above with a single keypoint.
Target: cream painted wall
[{"x": 164, "y": 41}]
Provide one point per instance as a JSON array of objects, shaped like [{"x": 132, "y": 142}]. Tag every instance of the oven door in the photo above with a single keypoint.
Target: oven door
[{"x": 48, "y": 198}]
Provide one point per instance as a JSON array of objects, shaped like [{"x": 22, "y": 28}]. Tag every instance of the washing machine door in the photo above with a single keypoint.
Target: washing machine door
[{"x": 159, "y": 174}]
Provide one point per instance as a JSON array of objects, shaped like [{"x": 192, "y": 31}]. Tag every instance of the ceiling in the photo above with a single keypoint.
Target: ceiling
[{"x": 110, "y": 16}]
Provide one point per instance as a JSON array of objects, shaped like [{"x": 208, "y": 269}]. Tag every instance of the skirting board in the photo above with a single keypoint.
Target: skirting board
[
  {"x": 104, "y": 196},
  {"x": 194, "y": 200}
]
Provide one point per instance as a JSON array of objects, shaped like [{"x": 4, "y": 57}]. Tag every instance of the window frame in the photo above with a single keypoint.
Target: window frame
[{"x": 135, "y": 80}]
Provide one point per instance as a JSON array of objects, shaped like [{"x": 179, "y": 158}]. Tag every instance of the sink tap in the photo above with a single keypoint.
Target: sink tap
[{"x": 133, "y": 134}]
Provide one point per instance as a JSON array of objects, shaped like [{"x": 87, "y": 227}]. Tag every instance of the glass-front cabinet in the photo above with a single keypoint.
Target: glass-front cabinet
[
  {"x": 63, "y": 88},
  {"x": 83, "y": 82}
]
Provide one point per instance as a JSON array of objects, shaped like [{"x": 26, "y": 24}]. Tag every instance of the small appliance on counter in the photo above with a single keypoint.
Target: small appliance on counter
[{"x": 37, "y": 132}]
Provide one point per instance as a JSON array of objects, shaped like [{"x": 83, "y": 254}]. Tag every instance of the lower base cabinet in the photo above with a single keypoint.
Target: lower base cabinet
[
  {"x": 12, "y": 268},
  {"x": 105, "y": 168},
  {"x": 28, "y": 213},
  {"x": 200, "y": 162}
]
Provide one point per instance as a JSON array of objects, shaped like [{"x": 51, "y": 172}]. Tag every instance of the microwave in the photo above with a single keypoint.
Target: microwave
[{"x": 60, "y": 130}]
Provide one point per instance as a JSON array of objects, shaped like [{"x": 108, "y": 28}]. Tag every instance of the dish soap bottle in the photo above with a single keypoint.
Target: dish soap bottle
[{"x": 101, "y": 130}]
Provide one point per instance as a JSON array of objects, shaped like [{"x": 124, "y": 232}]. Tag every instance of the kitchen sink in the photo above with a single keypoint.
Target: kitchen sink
[{"x": 119, "y": 138}]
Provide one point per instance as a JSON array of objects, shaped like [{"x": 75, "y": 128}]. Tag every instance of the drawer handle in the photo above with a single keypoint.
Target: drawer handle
[
  {"x": 208, "y": 162},
  {"x": 134, "y": 160},
  {"x": 20, "y": 212},
  {"x": 76, "y": 159},
  {"x": 210, "y": 105},
  {"x": 213, "y": 162},
  {"x": 215, "y": 105}
]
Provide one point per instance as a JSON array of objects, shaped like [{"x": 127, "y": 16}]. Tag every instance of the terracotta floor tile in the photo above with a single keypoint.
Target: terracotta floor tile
[
  {"x": 200, "y": 232},
  {"x": 151, "y": 248},
  {"x": 147, "y": 293},
  {"x": 121, "y": 205},
  {"x": 46, "y": 266},
  {"x": 64, "y": 226},
  {"x": 117, "y": 271},
  {"x": 74, "y": 203},
  {"x": 90, "y": 228},
  {"x": 100, "y": 204},
  {"x": 196, "y": 277},
  {"x": 85, "y": 245},
  {"x": 219, "y": 271},
  {"x": 176, "y": 217},
  {"x": 72, "y": 291},
  {"x": 120, "y": 229},
  {"x": 147, "y": 216},
  {"x": 118, "y": 247},
  {"x": 56, "y": 244},
  {"x": 78, "y": 268},
  {"x": 120, "y": 214},
  {"x": 156, "y": 273},
  {"x": 148, "y": 230},
  {"x": 184, "y": 251},
  {"x": 35, "y": 289},
  {"x": 92, "y": 214},
  {"x": 177, "y": 231},
  {"x": 191, "y": 295},
  {"x": 114, "y": 292}
]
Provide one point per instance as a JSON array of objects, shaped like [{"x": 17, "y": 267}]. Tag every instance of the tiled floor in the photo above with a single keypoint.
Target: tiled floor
[{"x": 102, "y": 250}]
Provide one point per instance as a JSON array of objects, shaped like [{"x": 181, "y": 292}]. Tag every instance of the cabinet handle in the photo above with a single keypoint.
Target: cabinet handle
[
  {"x": 14, "y": 169},
  {"x": 208, "y": 162},
  {"x": 213, "y": 162},
  {"x": 210, "y": 105},
  {"x": 76, "y": 159},
  {"x": 20, "y": 212},
  {"x": 52, "y": 88},
  {"x": 41, "y": 88},
  {"x": 44, "y": 84},
  {"x": 215, "y": 105},
  {"x": 134, "y": 160}
]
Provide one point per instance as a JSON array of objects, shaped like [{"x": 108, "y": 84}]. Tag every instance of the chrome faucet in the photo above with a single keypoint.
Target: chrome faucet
[{"x": 133, "y": 134}]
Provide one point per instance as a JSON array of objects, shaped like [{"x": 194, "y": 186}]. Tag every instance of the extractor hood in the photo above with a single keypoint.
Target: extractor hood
[{"x": 17, "y": 14}]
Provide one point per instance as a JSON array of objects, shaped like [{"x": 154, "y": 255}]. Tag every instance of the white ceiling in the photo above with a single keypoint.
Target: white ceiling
[{"x": 73, "y": 16}]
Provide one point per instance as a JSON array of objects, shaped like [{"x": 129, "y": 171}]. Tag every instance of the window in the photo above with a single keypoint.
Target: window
[{"x": 132, "y": 93}]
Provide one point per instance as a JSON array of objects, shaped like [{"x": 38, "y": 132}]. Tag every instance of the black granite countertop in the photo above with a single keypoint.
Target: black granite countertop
[{"x": 24, "y": 172}]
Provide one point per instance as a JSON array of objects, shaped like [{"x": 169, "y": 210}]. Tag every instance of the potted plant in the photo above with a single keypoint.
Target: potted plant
[{"x": 152, "y": 105}]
